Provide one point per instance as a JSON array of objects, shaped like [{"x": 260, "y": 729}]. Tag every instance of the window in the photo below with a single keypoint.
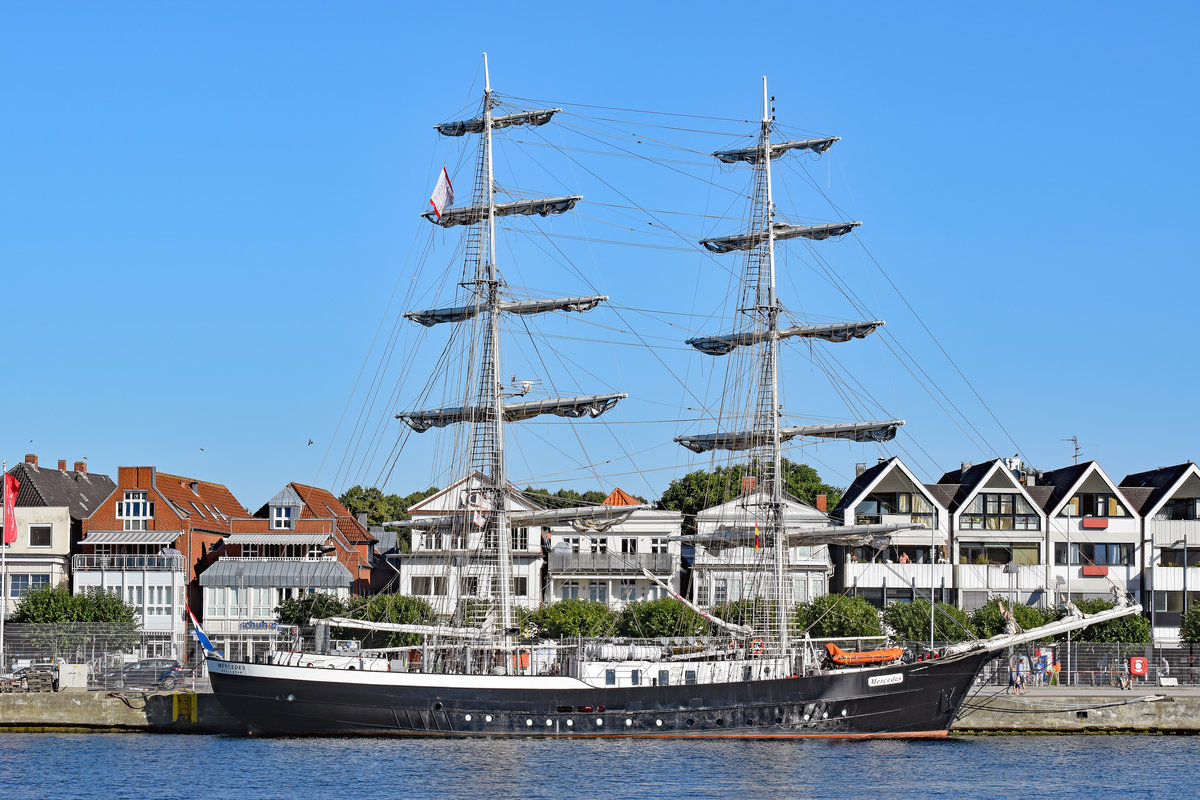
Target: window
[
  {"x": 1094, "y": 504},
  {"x": 598, "y": 592},
  {"x": 720, "y": 591},
  {"x": 570, "y": 590},
  {"x": 39, "y": 535},
  {"x": 689, "y": 677},
  {"x": 998, "y": 553},
  {"x": 627, "y": 591},
  {"x": 429, "y": 586},
  {"x": 635, "y": 677},
  {"x": 133, "y": 596},
  {"x": 629, "y": 546},
  {"x": 610, "y": 677},
  {"x": 214, "y": 601},
  {"x": 600, "y": 545},
  {"x": 1087, "y": 553},
  {"x": 20, "y": 585},
  {"x": 664, "y": 677},
  {"x": 574, "y": 542},
  {"x": 135, "y": 510},
  {"x": 520, "y": 586},
  {"x": 158, "y": 601},
  {"x": 658, "y": 545},
  {"x": 1000, "y": 511},
  {"x": 470, "y": 586},
  {"x": 1174, "y": 557},
  {"x": 261, "y": 606},
  {"x": 702, "y": 592},
  {"x": 281, "y": 517},
  {"x": 1180, "y": 508},
  {"x": 520, "y": 539}
]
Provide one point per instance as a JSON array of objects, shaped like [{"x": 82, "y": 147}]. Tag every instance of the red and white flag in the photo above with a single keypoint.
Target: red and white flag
[
  {"x": 443, "y": 194},
  {"x": 11, "y": 485}
]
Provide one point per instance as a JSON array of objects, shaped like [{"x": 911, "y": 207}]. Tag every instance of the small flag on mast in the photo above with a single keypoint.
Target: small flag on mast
[
  {"x": 443, "y": 194},
  {"x": 200, "y": 635},
  {"x": 11, "y": 484},
  {"x": 757, "y": 543}
]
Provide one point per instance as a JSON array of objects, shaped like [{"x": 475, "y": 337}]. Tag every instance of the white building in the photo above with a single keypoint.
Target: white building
[
  {"x": 49, "y": 510},
  {"x": 606, "y": 566},
  {"x": 729, "y": 573},
  {"x": 447, "y": 568},
  {"x": 915, "y": 564}
]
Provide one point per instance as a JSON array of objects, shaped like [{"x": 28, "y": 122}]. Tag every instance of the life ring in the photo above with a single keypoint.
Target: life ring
[
  {"x": 756, "y": 647},
  {"x": 732, "y": 645}
]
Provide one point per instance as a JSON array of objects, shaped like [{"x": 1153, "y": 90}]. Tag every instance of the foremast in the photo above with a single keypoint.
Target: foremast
[
  {"x": 758, "y": 328},
  {"x": 485, "y": 409}
]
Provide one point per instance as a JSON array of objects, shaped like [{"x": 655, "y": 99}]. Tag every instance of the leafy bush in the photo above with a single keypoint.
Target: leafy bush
[
  {"x": 1189, "y": 630},
  {"x": 1132, "y": 629},
  {"x": 911, "y": 621},
  {"x": 835, "y": 615},
  {"x": 571, "y": 618},
  {"x": 989, "y": 620},
  {"x": 665, "y": 616}
]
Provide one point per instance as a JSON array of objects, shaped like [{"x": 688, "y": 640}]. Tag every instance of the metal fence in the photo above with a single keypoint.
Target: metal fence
[
  {"x": 1091, "y": 665},
  {"x": 104, "y": 656}
]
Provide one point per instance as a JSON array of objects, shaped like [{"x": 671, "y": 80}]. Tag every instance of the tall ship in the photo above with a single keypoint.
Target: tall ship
[{"x": 479, "y": 672}]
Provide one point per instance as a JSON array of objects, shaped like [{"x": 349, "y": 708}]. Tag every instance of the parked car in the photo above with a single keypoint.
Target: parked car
[{"x": 151, "y": 673}]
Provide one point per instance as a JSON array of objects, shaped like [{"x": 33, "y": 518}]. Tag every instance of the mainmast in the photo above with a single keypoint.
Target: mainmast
[
  {"x": 758, "y": 328},
  {"x": 484, "y": 408}
]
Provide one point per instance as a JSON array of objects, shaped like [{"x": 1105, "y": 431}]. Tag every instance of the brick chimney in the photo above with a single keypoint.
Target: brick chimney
[
  {"x": 62, "y": 465},
  {"x": 81, "y": 467},
  {"x": 31, "y": 458},
  {"x": 748, "y": 484},
  {"x": 363, "y": 519},
  {"x": 822, "y": 503}
]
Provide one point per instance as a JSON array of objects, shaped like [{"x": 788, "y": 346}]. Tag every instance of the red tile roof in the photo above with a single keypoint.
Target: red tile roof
[
  {"x": 322, "y": 503},
  {"x": 619, "y": 497}
]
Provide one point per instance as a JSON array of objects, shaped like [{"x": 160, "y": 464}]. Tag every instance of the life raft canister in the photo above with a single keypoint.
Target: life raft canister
[{"x": 845, "y": 658}]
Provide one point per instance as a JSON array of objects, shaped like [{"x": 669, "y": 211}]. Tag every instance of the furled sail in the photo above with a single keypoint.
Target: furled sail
[
  {"x": 877, "y": 536},
  {"x": 573, "y": 407},
  {"x": 463, "y": 126},
  {"x": 433, "y": 316},
  {"x": 752, "y": 155},
  {"x": 833, "y": 332},
  {"x": 744, "y": 440},
  {"x": 583, "y": 518},
  {"x": 745, "y": 241},
  {"x": 472, "y": 214}
]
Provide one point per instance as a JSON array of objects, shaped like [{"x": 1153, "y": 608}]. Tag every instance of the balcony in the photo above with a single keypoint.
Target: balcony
[
  {"x": 1166, "y": 532},
  {"x": 566, "y": 562},
  {"x": 993, "y": 577},
  {"x": 93, "y": 563},
  {"x": 870, "y": 576}
]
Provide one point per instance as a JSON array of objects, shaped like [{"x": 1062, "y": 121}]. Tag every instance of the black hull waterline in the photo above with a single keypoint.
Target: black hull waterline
[{"x": 910, "y": 700}]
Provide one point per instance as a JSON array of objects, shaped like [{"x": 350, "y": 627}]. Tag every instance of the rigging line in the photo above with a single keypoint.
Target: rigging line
[
  {"x": 595, "y": 240},
  {"x": 629, "y": 110},
  {"x": 606, "y": 153},
  {"x": 885, "y": 335},
  {"x": 664, "y": 211},
  {"x": 913, "y": 311}
]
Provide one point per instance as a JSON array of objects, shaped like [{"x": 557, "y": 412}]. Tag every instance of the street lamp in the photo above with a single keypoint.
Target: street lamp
[{"x": 1070, "y": 569}]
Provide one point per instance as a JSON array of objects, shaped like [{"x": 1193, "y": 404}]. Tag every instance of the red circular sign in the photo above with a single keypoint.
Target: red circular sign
[{"x": 1138, "y": 665}]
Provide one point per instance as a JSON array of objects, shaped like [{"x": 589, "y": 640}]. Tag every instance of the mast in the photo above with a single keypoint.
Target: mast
[
  {"x": 771, "y": 384},
  {"x": 490, "y": 389}
]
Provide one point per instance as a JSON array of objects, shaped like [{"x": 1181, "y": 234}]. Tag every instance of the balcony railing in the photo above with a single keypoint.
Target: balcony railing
[
  {"x": 93, "y": 563},
  {"x": 568, "y": 562}
]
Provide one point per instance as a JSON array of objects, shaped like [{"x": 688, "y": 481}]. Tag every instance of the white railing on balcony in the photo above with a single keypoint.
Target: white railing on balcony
[
  {"x": 273, "y": 559},
  {"x": 94, "y": 563},
  {"x": 570, "y": 562},
  {"x": 1170, "y": 579},
  {"x": 1126, "y": 576},
  {"x": 994, "y": 577},
  {"x": 870, "y": 575},
  {"x": 1165, "y": 532}
]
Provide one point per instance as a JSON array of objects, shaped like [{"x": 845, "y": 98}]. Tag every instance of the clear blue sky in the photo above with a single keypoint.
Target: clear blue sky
[{"x": 206, "y": 208}]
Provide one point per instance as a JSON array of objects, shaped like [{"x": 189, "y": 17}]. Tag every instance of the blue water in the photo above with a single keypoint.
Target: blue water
[{"x": 119, "y": 766}]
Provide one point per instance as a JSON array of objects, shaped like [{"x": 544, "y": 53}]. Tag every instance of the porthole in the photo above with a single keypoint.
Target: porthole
[
  {"x": 570, "y": 723},
  {"x": 658, "y": 723},
  {"x": 467, "y": 717},
  {"x": 825, "y": 715},
  {"x": 691, "y": 722},
  {"x": 549, "y": 723},
  {"x": 749, "y": 723},
  {"x": 488, "y": 718},
  {"x": 599, "y": 723},
  {"x": 291, "y": 698},
  {"x": 779, "y": 720},
  {"x": 628, "y": 722},
  {"x": 720, "y": 722},
  {"x": 528, "y": 723},
  {"x": 807, "y": 717},
  {"x": 437, "y": 706},
  {"x": 845, "y": 711}
]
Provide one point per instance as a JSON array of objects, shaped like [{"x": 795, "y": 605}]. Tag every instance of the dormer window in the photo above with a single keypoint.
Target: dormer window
[
  {"x": 135, "y": 510},
  {"x": 281, "y": 518}
]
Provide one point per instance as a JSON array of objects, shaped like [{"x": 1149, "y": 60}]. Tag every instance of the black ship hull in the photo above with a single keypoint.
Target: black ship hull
[{"x": 911, "y": 700}]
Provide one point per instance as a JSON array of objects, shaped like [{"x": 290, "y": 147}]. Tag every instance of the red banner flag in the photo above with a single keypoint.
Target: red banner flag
[
  {"x": 443, "y": 194},
  {"x": 11, "y": 485}
]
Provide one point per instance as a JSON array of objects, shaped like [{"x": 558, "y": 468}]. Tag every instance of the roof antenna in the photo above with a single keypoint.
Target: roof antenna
[{"x": 1074, "y": 440}]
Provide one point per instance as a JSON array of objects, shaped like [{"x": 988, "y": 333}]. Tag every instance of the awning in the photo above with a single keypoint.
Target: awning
[
  {"x": 277, "y": 538},
  {"x": 131, "y": 537},
  {"x": 266, "y": 572}
]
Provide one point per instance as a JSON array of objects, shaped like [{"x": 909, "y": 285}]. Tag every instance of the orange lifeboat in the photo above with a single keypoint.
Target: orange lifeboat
[{"x": 860, "y": 659}]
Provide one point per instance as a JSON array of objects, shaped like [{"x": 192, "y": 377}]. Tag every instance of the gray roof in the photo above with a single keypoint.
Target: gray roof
[
  {"x": 265, "y": 572},
  {"x": 861, "y": 482},
  {"x": 1158, "y": 481},
  {"x": 81, "y": 492}
]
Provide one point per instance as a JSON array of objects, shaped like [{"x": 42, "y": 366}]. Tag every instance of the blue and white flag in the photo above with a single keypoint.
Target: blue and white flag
[{"x": 200, "y": 635}]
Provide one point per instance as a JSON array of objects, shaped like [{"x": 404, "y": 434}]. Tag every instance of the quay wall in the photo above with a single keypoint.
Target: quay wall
[{"x": 1067, "y": 711}]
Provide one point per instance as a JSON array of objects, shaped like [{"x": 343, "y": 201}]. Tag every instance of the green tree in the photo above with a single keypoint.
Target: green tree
[
  {"x": 303, "y": 610},
  {"x": 396, "y": 608},
  {"x": 665, "y": 616},
  {"x": 702, "y": 489},
  {"x": 835, "y": 615},
  {"x": 48, "y": 605},
  {"x": 1131, "y": 629},
  {"x": 911, "y": 621},
  {"x": 383, "y": 508},
  {"x": 1189, "y": 629},
  {"x": 989, "y": 620},
  {"x": 571, "y": 618},
  {"x": 566, "y": 498},
  {"x": 747, "y": 612}
]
